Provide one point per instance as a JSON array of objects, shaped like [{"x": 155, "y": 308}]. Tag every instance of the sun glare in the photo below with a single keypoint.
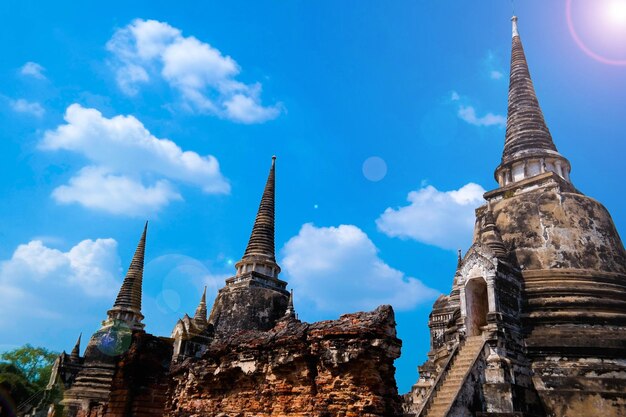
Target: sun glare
[
  {"x": 603, "y": 27},
  {"x": 616, "y": 12}
]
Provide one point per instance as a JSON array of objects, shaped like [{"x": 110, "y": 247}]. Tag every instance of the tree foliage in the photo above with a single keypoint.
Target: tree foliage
[
  {"x": 34, "y": 363},
  {"x": 14, "y": 381},
  {"x": 14, "y": 388},
  {"x": 24, "y": 372}
]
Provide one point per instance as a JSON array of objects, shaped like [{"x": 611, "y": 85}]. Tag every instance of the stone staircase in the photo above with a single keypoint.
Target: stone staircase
[
  {"x": 451, "y": 383},
  {"x": 93, "y": 382}
]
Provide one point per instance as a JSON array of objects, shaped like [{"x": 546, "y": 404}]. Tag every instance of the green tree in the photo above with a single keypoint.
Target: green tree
[
  {"x": 14, "y": 389},
  {"x": 34, "y": 363}
]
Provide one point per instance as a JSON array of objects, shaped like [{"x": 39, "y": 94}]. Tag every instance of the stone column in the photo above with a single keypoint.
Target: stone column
[
  {"x": 491, "y": 293},
  {"x": 463, "y": 308},
  {"x": 559, "y": 170}
]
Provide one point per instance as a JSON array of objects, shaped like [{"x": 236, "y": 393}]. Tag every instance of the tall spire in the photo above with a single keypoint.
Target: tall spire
[
  {"x": 255, "y": 298},
  {"x": 525, "y": 127},
  {"x": 527, "y": 134},
  {"x": 201, "y": 312},
  {"x": 259, "y": 255},
  {"x": 515, "y": 31},
  {"x": 291, "y": 311},
  {"x": 127, "y": 306},
  {"x": 262, "y": 238},
  {"x": 75, "y": 355}
]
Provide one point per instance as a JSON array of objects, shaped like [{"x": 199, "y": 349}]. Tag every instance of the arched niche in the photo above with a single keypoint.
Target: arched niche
[{"x": 476, "y": 305}]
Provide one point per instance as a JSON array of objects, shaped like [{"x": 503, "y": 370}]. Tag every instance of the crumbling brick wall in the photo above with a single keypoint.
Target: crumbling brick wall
[
  {"x": 140, "y": 383},
  {"x": 325, "y": 369}
]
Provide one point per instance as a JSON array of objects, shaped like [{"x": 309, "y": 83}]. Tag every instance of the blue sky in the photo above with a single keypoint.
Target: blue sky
[{"x": 386, "y": 118}]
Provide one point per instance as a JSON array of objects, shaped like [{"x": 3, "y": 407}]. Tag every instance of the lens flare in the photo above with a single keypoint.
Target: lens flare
[
  {"x": 615, "y": 15},
  {"x": 374, "y": 168},
  {"x": 114, "y": 340},
  {"x": 616, "y": 12}
]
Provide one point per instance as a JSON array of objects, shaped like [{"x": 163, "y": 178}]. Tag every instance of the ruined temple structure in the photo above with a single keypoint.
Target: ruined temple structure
[
  {"x": 250, "y": 357},
  {"x": 254, "y": 299},
  {"x": 535, "y": 323},
  {"x": 123, "y": 370},
  {"x": 192, "y": 335},
  {"x": 262, "y": 361}
]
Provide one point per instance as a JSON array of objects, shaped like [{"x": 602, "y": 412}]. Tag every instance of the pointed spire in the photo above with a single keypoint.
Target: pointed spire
[
  {"x": 259, "y": 256},
  {"x": 75, "y": 355},
  {"x": 290, "y": 312},
  {"x": 130, "y": 293},
  {"x": 200, "y": 318},
  {"x": 127, "y": 306},
  {"x": 262, "y": 237},
  {"x": 515, "y": 31},
  {"x": 526, "y": 127},
  {"x": 528, "y": 141},
  {"x": 459, "y": 259},
  {"x": 490, "y": 236}
]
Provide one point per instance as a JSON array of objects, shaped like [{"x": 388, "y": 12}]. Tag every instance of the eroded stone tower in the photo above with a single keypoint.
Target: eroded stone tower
[
  {"x": 124, "y": 369},
  {"x": 255, "y": 298},
  {"x": 254, "y": 357},
  {"x": 535, "y": 323}
]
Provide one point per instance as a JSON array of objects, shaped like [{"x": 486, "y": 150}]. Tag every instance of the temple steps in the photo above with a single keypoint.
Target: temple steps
[
  {"x": 452, "y": 381},
  {"x": 92, "y": 382}
]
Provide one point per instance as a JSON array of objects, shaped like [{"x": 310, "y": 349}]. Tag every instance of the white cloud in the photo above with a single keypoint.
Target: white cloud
[
  {"x": 201, "y": 74},
  {"x": 246, "y": 108},
  {"x": 91, "y": 265},
  {"x": 29, "y": 107},
  {"x": 492, "y": 66},
  {"x": 95, "y": 188},
  {"x": 496, "y": 75},
  {"x": 123, "y": 157},
  {"x": 440, "y": 218},
  {"x": 48, "y": 295},
  {"x": 337, "y": 269},
  {"x": 468, "y": 113},
  {"x": 33, "y": 69}
]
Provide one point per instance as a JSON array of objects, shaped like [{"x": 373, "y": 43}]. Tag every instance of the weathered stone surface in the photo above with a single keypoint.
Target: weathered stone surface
[
  {"x": 140, "y": 382},
  {"x": 248, "y": 305},
  {"x": 255, "y": 298},
  {"x": 330, "y": 368},
  {"x": 544, "y": 285},
  {"x": 556, "y": 320},
  {"x": 133, "y": 383},
  {"x": 557, "y": 228}
]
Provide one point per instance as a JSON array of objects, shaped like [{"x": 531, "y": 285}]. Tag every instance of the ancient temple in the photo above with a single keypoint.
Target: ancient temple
[
  {"x": 262, "y": 361},
  {"x": 535, "y": 322},
  {"x": 192, "y": 335},
  {"x": 66, "y": 367},
  {"x": 92, "y": 386},
  {"x": 121, "y": 371},
  {"x": 255, "y": 298},
  {"x": 250, "y": 356}
]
